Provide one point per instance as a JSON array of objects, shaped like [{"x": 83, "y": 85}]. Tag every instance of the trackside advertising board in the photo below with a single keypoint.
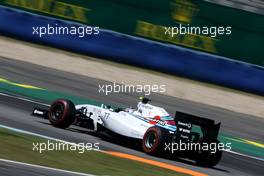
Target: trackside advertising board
[{"x": 234, "y": 33}]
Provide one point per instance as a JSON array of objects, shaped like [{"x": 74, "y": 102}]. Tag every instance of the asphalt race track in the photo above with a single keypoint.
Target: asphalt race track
[
  {"x": 16, "y": 113},
  {"x": 11, "y": 169}
]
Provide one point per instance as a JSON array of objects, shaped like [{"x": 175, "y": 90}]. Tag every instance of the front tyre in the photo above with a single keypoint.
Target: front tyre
[
  {"x": 62, "y": 113},
  {"x": 154, "y": 140}
]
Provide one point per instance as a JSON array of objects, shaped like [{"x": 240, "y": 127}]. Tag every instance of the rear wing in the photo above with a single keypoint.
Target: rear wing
[{"x": 184, "y": 123}]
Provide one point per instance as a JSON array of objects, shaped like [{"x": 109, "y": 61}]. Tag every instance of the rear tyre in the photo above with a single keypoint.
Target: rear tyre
[
  {"x": 208, "y": 159},
  {"x": 62, "y": 113},
  {"x": 154, "y": 140}
]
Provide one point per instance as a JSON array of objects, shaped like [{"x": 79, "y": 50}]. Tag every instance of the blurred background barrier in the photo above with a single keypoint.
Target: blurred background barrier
[
  {"x": 137, "y": 51},
  {"x": 147, "y": 18}
]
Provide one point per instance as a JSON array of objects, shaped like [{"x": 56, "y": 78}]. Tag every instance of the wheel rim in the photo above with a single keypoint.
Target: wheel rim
[
  {"x": 150, "y": 140},
  {"x": 57, "y": 111}
]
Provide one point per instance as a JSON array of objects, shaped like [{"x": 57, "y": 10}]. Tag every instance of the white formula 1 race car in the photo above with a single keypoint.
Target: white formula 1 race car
[{"x": 152, "y": 125}]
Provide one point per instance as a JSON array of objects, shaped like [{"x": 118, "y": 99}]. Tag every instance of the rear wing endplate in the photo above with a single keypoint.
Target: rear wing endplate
[{"x": 209, "y": 128}]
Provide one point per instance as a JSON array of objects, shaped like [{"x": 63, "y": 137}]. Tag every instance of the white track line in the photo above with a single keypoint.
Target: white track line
[
  {"x": 44, "y": 167},
  {"x": 42, "y": 136},
  {"x": 241, "y": 154},
  {"x": 33, "y": 134},
  {"x": 46, "y": 137},
  {"x": 24, "y": 99}
]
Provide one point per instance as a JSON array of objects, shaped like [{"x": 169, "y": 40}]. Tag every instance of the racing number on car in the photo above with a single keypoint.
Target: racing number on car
[
  {"x": 106, "y": 115},
  {"x": 83, "y": 110}
]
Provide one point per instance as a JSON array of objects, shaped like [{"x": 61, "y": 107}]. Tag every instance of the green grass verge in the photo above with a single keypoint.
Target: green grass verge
[{"x": 19, "y": 147}]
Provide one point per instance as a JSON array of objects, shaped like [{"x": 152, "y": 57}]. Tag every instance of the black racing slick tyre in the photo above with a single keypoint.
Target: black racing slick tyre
[
  {"x": 154, "y": 140},
  {"x": 61, "y": 113},
  {"x": 208, "y": 159}
]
